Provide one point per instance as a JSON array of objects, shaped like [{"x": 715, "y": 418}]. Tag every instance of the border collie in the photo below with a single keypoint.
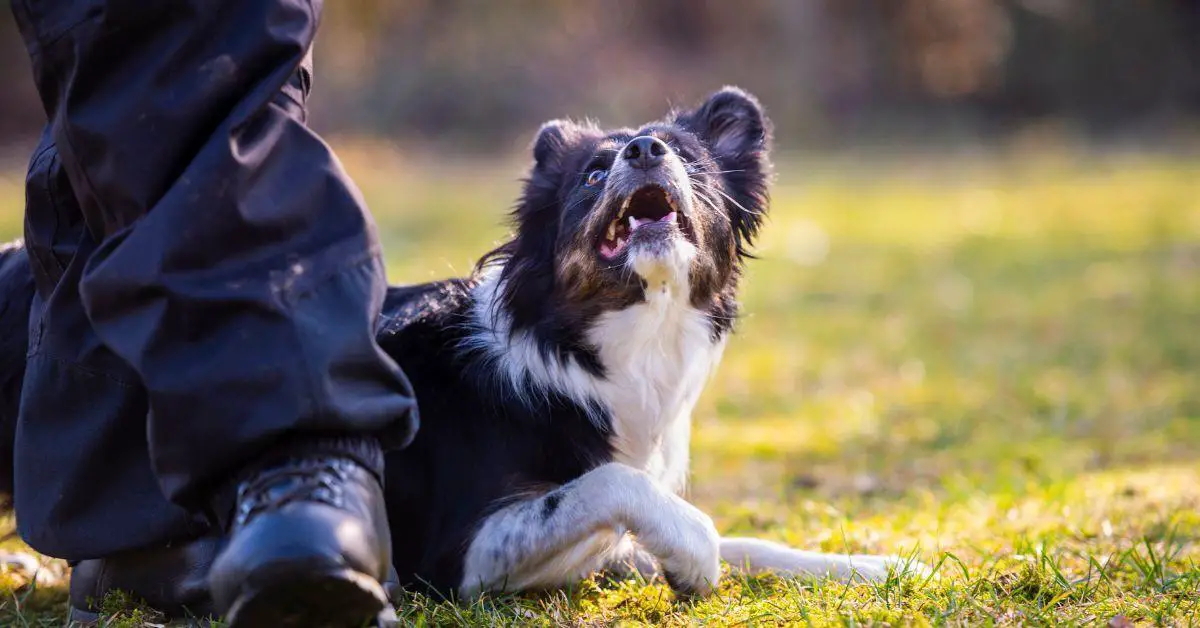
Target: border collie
[{"x": 556, "y": 383}]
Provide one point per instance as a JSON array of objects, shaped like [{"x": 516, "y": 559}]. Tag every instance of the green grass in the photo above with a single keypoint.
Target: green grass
[{"x": 990, "y": 364}]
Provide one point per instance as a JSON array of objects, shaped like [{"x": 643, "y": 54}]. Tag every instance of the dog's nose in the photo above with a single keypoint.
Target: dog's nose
[{"x": 645, "y": 152}]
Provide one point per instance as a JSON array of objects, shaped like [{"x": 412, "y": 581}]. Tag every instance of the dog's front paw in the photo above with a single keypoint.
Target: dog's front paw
[{"x": 691, "y": 560}]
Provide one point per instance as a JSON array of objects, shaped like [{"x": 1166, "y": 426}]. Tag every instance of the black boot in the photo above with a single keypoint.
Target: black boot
[
  {"x": 171, "y": 580},
  {"x": 308, "y": 546}
]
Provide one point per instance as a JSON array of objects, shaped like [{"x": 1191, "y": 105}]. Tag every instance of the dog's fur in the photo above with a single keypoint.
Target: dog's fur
[{"x": 555, "y": 384}]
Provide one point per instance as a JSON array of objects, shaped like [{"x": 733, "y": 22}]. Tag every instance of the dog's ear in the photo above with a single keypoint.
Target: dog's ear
[
  {"x": 551, "y": 147},
  {"x": 553, "y": 141},
  {"x": 732, "y": 123},
  {"x": 528, "y": 275},
  {"x": 738, "y": 134}
]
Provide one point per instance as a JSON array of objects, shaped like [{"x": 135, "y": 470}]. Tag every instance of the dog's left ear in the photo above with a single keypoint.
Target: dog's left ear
[
  {"x": 738, "y": 134},
  {"x": 732, "y": 123}
]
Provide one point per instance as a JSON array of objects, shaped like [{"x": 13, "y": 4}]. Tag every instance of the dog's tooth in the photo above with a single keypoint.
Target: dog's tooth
[
  {"x": 612, "y": 230},
  {"x": 670, "y": 217},
  {"x": 633, "y": 223},
  {"x": 621, "y": 214}
]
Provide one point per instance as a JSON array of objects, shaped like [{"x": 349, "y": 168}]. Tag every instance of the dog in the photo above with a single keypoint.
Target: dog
[{"x": 556, "y": 383}]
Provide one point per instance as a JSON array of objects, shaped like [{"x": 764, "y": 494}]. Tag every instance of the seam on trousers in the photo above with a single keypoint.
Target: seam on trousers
[
  {"x": 79, "y": 368},
  {"x": 42, "y": 42},
  {"x": 55, "y": 197},
  {"x": 39, "y": 169},
  {"x": 38, "y": 155}
]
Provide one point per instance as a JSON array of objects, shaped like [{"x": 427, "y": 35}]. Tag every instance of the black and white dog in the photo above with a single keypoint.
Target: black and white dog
[{"x": 555, "y": 385}]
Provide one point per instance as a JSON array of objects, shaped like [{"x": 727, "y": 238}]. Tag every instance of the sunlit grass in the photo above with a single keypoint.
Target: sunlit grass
[{"x": 988, "y": 363}]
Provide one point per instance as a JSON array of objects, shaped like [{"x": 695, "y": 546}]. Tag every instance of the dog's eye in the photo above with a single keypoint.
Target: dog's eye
[{"x": 595, "y": 177}]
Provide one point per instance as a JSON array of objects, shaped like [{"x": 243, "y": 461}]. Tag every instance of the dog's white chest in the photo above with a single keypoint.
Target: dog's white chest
[{"x": 657, "y": 357}]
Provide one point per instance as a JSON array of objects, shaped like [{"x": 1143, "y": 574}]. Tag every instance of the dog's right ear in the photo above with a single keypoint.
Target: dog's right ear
[
  {"x": 551, "y": 148},
  {"x": 552, "y": 142},
  {"x": 528, "y": 276}
]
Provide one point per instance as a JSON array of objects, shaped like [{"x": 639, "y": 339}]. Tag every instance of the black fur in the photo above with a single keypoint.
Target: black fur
[
  {"x": 481, "y": 443},
  {"x": 478, "y": 445},
  {"x": 550, "y": 504},
  {"x": 734, "y": 119}
]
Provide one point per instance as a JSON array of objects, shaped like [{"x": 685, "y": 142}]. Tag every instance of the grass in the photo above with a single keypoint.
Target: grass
[{"x": 988, "y": 364}]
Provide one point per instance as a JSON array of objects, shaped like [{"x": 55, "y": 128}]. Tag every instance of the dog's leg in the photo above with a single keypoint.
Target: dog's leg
[
  {"x": 564, "y": 535},
  {"x": 759, "y": 556},
  {"x": 755, "y": 556}
]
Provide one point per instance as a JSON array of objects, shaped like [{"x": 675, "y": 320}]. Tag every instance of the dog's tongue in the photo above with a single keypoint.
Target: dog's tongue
[{"x": 635, "y": 222}]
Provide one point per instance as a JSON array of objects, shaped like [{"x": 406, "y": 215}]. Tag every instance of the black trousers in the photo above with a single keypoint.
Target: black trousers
[{"x": 208, "y": 279}]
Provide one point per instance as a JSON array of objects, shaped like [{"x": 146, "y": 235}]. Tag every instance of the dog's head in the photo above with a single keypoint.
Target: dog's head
[{"x": 608, "y": 218}]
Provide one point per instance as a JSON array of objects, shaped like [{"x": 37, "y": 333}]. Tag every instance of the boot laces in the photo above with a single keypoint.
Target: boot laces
[{"x": 307, "y": 479}]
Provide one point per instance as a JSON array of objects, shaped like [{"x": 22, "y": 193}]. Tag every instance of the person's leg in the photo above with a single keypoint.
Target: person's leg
[
  {"x": 84, "y": 482},
  {"x": 86, "y": 485},
  {"x": 16, "y": 293},
  {"x": 237, "y": 276},
  {"x": 237, "y": 272}
]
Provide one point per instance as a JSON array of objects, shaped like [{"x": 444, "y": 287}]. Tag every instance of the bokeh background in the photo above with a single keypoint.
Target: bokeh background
[
  {"x": 974, "y": 326},
  {"x": 478, "y": 76}
]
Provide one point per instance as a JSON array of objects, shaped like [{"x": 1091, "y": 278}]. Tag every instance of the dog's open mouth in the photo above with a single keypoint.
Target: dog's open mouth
[{"x": 649, "y": 207}]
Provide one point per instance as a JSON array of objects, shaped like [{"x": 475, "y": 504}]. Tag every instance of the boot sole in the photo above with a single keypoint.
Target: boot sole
[
  {"x": 83, "y": 618},
  {"x": 333, "y": 599}
]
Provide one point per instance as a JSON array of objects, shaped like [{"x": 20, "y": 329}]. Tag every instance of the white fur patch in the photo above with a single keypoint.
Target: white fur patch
[
  {"x": 664, "y": 267},
  {"x": 523, "y": 546},
  {"x": 657, "y": 356}
]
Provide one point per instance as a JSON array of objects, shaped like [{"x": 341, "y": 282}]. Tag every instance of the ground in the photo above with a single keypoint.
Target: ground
[{"x": 985, "y": 362}]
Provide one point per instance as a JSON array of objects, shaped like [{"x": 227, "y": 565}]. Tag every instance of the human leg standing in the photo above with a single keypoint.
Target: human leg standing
[{"x": 235, "y": 273}]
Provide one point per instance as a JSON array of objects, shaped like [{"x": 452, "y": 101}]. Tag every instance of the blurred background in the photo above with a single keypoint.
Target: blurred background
[
  {"x": 986, "y": 217},
  {"x": 981, "y": 276},
  {"x": 478, "y": 76}
]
